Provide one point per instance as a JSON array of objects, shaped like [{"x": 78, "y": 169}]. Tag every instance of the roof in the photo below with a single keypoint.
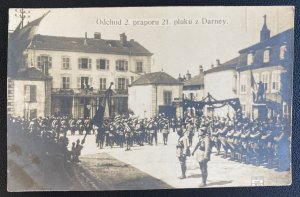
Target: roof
[
  {"x": 229, "y": 65},
  {"x": 31, "y": 73},
  {"x": 195, "y": 81},
  {"x": 158, "y": 78},
  {"x": 58, "y": 43},
  {"x": 274, "y": 40}
]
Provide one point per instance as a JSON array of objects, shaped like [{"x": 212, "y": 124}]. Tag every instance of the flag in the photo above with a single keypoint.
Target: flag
[
  {"x": 18, "y": 41},
  {"x": 253, "y": 87}
]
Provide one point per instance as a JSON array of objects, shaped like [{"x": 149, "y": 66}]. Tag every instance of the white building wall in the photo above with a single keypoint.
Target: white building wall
[
  {"x": 19, "y": 98},
  {"x": 57, "y": 72},
  {"x": 144, "y": 100},
  {"x": 221, "y": 85},
  {"x": 140, "y": 100},
  {"x": 198, "y": 94}
]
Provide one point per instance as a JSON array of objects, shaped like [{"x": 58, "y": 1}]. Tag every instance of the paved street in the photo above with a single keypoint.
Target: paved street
[{"x": 160, "y": 162}]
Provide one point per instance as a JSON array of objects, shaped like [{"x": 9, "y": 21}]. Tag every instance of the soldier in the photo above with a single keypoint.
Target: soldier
[
  {"x": 203, "y": 149},
  {"x": 165, "y": 132},
  {"x": 222, "y": 137},
  {"x": 191, "y": 130},
  {"x": 245, "y": 136},
  {"x": 72, "y": 125},
  {"x": 215, "y": 138},
  {"x": 64, "y": 127},
  {"x": 128, "y": 136},
  {"x": 255, "y": 140},
  {"x": 88, "y": 126},
  {"x": 173, "y": 125},
  {"x": 267, "y": 140},
  {"x": 182, "y": 151},
  {"x": 80, "y": 126}
]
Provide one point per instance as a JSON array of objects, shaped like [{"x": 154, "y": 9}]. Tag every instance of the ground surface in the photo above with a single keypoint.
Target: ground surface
[{"x": 150, "y": 167}]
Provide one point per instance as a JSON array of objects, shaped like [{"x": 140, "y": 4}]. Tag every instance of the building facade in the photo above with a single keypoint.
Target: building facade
[
  {"x": 268, "y": 65},
  {"x": 29, "y": 94},
  {"x": 193, "y": 89},
  {"x": 220, "y": 82},
  {"x": 153, "y": 94},
  {"x": 83, "y": 68}
]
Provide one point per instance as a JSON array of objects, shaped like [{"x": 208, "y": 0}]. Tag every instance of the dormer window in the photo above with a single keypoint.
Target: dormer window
[
  {"x": 282, "y": 52},
  {"x": 266, "y": 56},
  {"x": 250, "y": 59}
]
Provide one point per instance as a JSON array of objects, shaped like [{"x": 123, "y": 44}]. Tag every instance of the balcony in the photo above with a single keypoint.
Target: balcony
[{"x": 86, "y": 92}]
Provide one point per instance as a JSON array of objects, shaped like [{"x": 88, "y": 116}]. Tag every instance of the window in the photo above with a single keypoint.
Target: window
[
  {"x": 139, "y": 67},
  {"x": 243, "y": 82},
  {"x": 102, "y": 84},
  {"x": 30, "y": 93},
  {"x": 44, "y": 60},
  {"x": 286, "y": 110},
  {"x": 250, "y": 59},
  {"x": 282, "y": 52},
  {"x": 84, "y": 63},
  {"x": 102, "y": 64},
  {"x": 121, "y": 84},
  {"x": 65, "y": 82},
  {"x": 266, "y": 56},
  {"x": 121, "y": 65},
  {"x": 167, "y": 97},
  {"x": 65, "y": 62},
  {"x": 84, "y": 82},
  {"x": 265, "y": 80},
  {"x": 275, "y": 81}
]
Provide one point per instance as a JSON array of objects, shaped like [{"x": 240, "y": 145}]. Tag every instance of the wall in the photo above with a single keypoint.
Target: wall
[
  {"x": 198, "y": 94},
  {"x": 19, "y": 100},
  {"x": 140, "y": 100},
  {"x": 221, "y": 85},
  {"x": 56, "y": 71}
]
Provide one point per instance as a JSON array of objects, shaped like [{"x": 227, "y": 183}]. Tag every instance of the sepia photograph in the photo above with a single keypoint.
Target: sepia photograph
[{"x": 143, "y": 98}]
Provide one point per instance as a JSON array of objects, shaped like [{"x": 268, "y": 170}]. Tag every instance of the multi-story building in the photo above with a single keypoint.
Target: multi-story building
[
  {"x": 269, "y": 63},
  {"x": 83, "y": 68}
]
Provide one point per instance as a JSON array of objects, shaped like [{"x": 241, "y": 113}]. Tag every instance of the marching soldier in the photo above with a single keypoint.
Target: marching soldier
[{"x": 203, "y": 149}]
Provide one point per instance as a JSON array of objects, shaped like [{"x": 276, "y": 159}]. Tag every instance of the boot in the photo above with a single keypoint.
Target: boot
[
  {"x": 203, "y": 184},
  {"x": 182, "y": 172}
]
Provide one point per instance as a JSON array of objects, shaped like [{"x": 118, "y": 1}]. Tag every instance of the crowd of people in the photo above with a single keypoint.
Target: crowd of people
[
  {"x": 260, "y": 142},
  {"x": 50, "y": 131}
]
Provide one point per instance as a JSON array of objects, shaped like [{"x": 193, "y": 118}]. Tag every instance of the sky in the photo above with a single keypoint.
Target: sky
[{"x": 175, "y": 48}]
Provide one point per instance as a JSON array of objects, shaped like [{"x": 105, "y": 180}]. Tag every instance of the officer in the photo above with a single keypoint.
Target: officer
[
  {"x": 182, "y": 151},
  {"x": 203, "y": 149}
]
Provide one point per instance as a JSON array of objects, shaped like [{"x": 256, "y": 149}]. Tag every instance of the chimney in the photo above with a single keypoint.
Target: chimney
[
  {"x": 265, "y": 32},
  {"x": 97, "y": 35},
  {"x": 201, "y": 70},
  {"x": 123, "y": 39},
  {"x": 188, "y": 75},
  {"x": 212, "y": 65},
  {"x": 85, "y": 39},
  {"x": 217, "y": 62}
]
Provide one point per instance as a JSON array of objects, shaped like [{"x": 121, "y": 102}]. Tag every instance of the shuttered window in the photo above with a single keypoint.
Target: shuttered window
[
  {"x": 84, "y": 63},
  {"x": 30, "y": 93}
]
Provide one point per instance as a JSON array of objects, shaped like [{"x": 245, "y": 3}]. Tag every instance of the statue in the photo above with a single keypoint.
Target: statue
[{"x": 260, "y": 92}]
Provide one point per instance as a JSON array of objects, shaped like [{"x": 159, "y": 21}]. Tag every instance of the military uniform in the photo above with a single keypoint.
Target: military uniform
[
  {"x": 182, "y": 151},
  {"x": 203, "y": 149}
]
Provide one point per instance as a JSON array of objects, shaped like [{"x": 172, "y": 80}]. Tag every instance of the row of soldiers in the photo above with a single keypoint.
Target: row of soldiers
[
  {"x": 259, "y": 141},
  {"x": 128, "y": 131},
  {"x": 51, "y": 130}
]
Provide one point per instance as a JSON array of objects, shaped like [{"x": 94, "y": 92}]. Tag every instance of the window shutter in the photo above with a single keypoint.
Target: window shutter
[
  {"x": 117, "y": 66},
  {"x": 90, "y": 63},
  {"x": 49, "y": 62},
  {"x": 78, "y": 82},
  {"x": 27, "y": 93},
  {"x": 107, "y": 64},
  {"x": 116, "y": 84},
  {"x": 39, "y": 62},
  {"x": 62, "y": 82},
  {"x": 91, "y": 82},
  {"x": 126, "y": 65},
  {"x": 79, "y": 63},
  {"x": 98, "y": 63},
  {"x": 127, "y": 83},
  {"x": 32, "y": 93}
]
